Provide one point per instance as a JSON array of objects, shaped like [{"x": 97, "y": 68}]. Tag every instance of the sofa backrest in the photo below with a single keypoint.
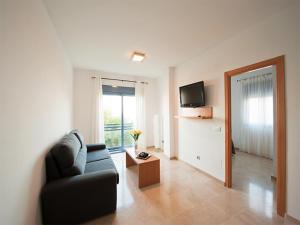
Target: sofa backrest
[
  {"x": 66, "y": 158},
  {"x": 79, "y": 137},
  {"x": 52, "y": 172}
]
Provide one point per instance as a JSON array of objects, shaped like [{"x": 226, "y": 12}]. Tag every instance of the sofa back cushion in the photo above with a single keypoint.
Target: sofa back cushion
[
  {"x": 52, "y": 172},
  {"x": 69, "y": 157},
  {"x": 79, "y": 137}
]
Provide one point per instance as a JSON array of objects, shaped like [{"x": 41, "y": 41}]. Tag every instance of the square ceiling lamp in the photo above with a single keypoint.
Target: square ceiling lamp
[{"x": 138, "y": 57}]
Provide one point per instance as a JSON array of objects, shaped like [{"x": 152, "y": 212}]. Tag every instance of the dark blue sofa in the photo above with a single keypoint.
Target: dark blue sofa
[{"x": 81, "y": 182}]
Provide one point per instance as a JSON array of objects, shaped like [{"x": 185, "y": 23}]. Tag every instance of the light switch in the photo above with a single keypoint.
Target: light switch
[{"x": 217, "y": 129}]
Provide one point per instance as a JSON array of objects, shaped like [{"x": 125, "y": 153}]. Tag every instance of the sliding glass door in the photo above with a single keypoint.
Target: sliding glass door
[
  {"x": 129, "y": 117},
  {"x": 119, "y": 117},
  {"x": 112, "y": 121}
]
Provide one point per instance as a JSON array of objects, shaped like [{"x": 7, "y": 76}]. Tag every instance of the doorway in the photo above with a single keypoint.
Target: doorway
[
  {"x": 279, "y": 131},
  {"x": 119, "y": 106}
]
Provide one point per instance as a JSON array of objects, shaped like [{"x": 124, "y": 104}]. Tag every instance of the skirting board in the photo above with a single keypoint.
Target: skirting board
[{"x": 294, "y": 220}]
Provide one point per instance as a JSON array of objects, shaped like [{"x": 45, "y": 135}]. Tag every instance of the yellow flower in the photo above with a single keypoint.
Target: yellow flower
[{"x": 135, "y": 134}]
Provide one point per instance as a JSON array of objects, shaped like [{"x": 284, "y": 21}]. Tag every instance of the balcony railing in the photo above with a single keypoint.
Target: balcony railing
[
  {"x": 113, "y": 127},
  {"x": 113, "y": 136}
]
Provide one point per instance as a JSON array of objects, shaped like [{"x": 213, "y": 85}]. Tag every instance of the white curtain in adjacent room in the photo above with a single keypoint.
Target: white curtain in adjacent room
[
  {"x": 256, "y": 131},
  {"x": 97, "y": 121},
  {"x": 141, "y": 113}
]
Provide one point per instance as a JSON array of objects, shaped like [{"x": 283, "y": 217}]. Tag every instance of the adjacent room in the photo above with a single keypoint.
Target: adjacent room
[
  {"x": 164, "y": 112},
  {"x": 253, "y": 96}
]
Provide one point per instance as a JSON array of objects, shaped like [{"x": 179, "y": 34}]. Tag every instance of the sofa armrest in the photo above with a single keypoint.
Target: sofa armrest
[
  {"x": 94, "y": 147},
  {"x": 77, "y": 199}
]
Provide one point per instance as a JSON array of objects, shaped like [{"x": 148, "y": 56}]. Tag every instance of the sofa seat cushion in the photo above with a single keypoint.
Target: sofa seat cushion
[
  {"x": 100, "y": 165},
  {"x": 97, "y": 155}
]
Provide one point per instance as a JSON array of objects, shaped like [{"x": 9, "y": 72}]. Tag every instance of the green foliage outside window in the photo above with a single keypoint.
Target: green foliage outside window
[{"x": 112, "y": 127}]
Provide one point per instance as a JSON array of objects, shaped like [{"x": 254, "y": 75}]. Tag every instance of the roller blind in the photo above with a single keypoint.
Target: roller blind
[{"x": 125, "y": 91}]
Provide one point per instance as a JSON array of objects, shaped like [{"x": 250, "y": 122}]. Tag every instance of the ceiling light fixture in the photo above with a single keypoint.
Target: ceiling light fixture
[{"x": 137, "y": 57}]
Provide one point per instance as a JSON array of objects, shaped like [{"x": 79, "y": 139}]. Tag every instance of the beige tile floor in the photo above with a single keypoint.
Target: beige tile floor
[
  {"x": 185, "y": 196},
  {"x": 252, "y": 174}
]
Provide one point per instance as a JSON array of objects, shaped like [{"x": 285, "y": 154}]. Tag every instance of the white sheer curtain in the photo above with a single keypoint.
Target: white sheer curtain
[
  {"x": 97, "y": 116},
  {"x": 256, "y": 133},
  {"x": 141, "y": 113}
]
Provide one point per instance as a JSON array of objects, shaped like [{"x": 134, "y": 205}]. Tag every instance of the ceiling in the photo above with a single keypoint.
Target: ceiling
[{"x": 102, "y": 34}]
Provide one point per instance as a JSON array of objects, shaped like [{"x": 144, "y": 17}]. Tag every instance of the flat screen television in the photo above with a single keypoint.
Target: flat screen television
[{"x": 192, "y": 95}]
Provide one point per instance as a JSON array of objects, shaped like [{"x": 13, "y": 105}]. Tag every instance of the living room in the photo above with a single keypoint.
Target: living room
[{"x": 69, "y": 66}]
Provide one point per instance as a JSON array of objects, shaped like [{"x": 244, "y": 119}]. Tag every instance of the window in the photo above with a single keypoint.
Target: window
[
  {"x": 119, "y": 116},
  {"x": 259, "y": 111}
]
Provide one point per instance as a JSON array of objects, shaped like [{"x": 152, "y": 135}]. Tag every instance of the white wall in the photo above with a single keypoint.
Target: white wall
[
  {"x": 82, "y": 100},
  {"x": 273, "y": 37},
  {"x": 235, "y": 111},
  {"x": 35, "y": 105},
  {"x": 165, "y": 88},
  {"x": 198, "y": 137}
]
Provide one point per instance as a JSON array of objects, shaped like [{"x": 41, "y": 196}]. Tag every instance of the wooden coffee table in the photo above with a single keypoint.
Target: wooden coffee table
[{"x": 148, "y": 170}]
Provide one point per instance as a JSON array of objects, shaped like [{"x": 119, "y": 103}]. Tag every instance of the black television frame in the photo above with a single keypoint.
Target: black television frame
[{"x": 192, "y": 105}]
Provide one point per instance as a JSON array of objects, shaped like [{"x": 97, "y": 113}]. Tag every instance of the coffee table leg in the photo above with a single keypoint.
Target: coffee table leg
[
  {"x": 149, "y": 173},
  {"x": 129, "y": 161}
]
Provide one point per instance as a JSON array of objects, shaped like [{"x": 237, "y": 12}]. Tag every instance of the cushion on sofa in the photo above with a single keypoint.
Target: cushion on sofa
[
  {"x": 78, "y": 136},
  {"x": 69, "y": 156},
  {"x": 97, "y": 155},
  {"x": 79, "y": 165},
  {"x": 95, "y": 147},
  {"x": 52, "y": 172},
  {"x": 99, "y": 165}
]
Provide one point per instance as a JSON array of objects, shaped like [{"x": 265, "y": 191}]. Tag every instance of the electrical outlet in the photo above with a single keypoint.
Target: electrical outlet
[{"x": 198, "y": 157}]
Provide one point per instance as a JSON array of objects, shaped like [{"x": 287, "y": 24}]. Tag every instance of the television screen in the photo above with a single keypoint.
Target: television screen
[{"x": 192, "y": 95}]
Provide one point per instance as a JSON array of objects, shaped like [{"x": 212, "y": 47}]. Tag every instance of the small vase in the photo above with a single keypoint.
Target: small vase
[{"x": 135, "y": 145}]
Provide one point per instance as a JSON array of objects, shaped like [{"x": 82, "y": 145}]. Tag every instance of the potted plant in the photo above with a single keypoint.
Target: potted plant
[{"x": 135, "y": 135}]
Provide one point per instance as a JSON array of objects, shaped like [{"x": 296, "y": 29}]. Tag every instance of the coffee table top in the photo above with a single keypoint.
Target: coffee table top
[{"x": 133, "y": 153}]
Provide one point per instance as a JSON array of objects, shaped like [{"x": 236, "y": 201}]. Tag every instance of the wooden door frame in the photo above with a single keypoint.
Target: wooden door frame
[{"x": 280, "y": 126}]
